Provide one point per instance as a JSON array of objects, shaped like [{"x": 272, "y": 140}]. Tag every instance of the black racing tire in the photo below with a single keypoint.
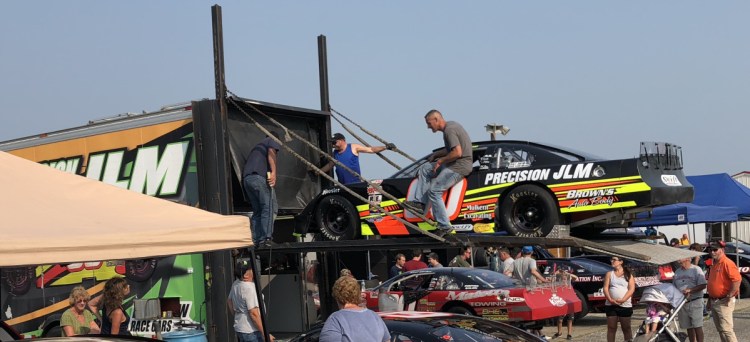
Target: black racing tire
[
  {"x": 54, "y": 331},
  {"x": 527, "y": 211},
  {"x": 140, "y": 269},
  {"x": 337, "y": 218},
  {"x": 744, "y": 287},
  {"x": 461, "y": 310},
  {"x": 584, "y": 306}
]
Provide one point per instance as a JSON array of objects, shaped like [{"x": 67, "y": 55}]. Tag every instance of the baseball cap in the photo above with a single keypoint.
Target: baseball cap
[
  {"x": 241, "y": 266},
  {"x": 527, "y": 249},
  {"x": 337, "y": 136},
  {"x": 718, "y": 244}
]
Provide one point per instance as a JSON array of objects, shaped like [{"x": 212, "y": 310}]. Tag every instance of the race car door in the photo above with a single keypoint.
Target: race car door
[{"x": 402, "y": 295}]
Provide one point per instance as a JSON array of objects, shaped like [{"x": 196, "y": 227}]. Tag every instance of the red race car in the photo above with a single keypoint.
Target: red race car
[{"x": 475, "y": 292}]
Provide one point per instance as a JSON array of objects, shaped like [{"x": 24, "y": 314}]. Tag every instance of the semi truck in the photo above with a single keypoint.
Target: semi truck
[{"x": 155, "y": 153}]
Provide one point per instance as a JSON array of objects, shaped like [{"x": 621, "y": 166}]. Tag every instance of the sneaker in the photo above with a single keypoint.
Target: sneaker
[
  {"x": 556, "y": 335},
  {"x": 569, "y": 338},
  {"x": 418, "y": 206},
  {"x": 266, "y": 244},
  {"x": 443, "y": 231}
]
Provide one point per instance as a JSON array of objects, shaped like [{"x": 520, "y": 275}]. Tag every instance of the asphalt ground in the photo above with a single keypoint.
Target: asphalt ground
[{"x": 593, "y": 327}]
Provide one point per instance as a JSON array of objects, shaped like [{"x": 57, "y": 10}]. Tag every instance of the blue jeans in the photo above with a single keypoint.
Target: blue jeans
[
  {"x": 430, "y": 189},
  {"x": 263, "y": 200},
  {"x": 251, "y": 337}
]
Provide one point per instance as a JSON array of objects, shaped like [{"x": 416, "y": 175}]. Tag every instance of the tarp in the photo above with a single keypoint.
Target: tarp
[
  {"x": 49, "y": 216},
  {"x": 683, "y": 213},
  {"x": 721, "y": 190},
  {"x": 718, "y": 198},
  {"x": 659, "y": 254}
]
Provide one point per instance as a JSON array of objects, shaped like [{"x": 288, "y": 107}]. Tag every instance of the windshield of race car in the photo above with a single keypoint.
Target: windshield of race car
[{"x": 490, "y": 279}]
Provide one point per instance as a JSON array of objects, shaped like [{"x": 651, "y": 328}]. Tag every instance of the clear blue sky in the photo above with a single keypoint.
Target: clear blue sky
[{"x": 597, "y": 76}]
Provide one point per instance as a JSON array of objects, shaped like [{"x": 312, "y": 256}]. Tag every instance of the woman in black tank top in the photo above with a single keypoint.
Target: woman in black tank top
[{"x": 114, "y": 319}]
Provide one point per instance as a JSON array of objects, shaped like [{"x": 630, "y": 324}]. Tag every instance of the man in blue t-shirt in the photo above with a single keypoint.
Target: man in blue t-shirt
[
  {"x": 259, "y": 178},
  {"x": 348, "y": 154}
]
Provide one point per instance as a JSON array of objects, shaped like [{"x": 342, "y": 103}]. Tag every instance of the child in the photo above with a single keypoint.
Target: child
[
  {"x": 564, "y": 274},
  {"x": 655, "y": 313}
]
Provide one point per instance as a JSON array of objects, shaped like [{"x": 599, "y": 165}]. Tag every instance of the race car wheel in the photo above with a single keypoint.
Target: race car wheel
[
  {"x": 584, "y": 306},
  {"x": 461, "y": 310},
  {"x": 19, "y": 279},
  {"x": 140, "y": 270},
  {"x": 337, "y": 218},
  {"x": 527, "y": 211},
  {"x": 744, "y": 287}
]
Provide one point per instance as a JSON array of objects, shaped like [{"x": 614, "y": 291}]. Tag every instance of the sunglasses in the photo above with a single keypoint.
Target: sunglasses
[{"x": 714, "y": 249}]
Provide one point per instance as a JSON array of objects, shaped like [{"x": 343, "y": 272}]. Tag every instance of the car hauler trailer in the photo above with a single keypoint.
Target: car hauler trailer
[{"x": 155, "y": 154}]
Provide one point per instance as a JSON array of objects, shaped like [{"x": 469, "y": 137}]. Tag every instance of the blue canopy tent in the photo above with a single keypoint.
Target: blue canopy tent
[
  {"x": 683, "y": 213},
  {"x": 718, "y": 198},
  {"x": 721, "y": 190}
]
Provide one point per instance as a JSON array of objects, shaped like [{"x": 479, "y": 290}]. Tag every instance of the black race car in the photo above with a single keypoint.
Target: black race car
[
  {"x": 438, "y": 327},
  {"x": 520, "y": 187},
  {"x": 645, "y": 274}
]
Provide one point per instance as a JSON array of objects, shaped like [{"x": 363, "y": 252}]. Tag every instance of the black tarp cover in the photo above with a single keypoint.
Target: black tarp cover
[{"x": 296, "y": 187}]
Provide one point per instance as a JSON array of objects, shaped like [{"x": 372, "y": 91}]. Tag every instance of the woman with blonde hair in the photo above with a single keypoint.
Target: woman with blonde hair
[
  {"x": 351, "y": 322},
  {"x": 77, "y": 320},
  {"x": 114, "y": 319}
]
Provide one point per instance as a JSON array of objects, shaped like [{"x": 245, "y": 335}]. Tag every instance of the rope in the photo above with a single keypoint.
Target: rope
[
  {"x": 372, "y": 135},
  {"x": 318, "y": 171},
  {"x": 365, "y": 143}
]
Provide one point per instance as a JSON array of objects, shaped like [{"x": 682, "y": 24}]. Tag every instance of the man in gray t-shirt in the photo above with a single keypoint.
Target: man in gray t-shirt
[
  {"x": 524, "y": 268},
  {"x": 445, "y": 168},
  {"x": 243, "y": 302},
  {"x": 691, "y": 281}
]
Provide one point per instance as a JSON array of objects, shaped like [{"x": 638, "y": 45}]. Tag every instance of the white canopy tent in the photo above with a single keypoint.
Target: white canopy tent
[{"x": 49, "y": 216}]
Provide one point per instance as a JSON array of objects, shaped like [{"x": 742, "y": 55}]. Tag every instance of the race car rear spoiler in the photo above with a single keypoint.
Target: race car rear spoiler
[{"x": 661, "y": 155}]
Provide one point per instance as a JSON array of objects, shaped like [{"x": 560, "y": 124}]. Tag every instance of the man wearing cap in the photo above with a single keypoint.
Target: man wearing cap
[
  {"x": 259, "y": 178},
  {"x": 348, "y": 154},
  {"x": 525, "y": 269},
  {"x": 723, "y": 285},
  {"x": 243, "y": 302},
  {"x": 445, "y": 167}
]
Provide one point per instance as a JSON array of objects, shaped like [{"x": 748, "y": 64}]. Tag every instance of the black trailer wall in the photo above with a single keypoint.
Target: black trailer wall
[{"x": 295, "y": 186}]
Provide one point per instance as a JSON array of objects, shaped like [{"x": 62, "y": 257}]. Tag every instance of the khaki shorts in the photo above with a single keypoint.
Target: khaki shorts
[{"x": 691, "y": 314}]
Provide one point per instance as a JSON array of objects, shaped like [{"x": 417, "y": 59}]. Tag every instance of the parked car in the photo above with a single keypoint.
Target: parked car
[
  {"x": 438, "y": 327},
  {"x": 520, "y": 187},
  {"x": 589, "y": 284},
  {"x": 7, "y": 333},
  {"x": 471, "y": 291},
  {"x": 737, "y": 247},
  {"x": 645, "y": 274}
]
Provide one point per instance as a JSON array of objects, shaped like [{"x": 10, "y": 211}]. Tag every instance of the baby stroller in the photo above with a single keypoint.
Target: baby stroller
[{"x": 673, "y": 300}]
